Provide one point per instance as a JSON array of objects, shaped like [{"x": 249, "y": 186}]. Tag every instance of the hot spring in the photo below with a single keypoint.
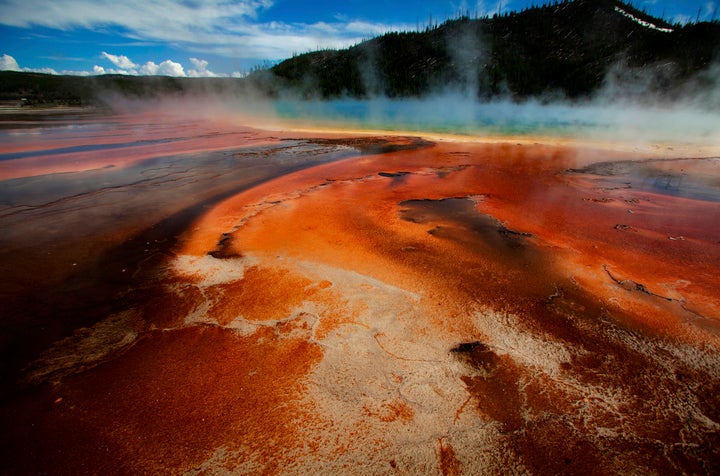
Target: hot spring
[
  {"x": 453, "y": 114},
  {"x": 423, "y": 287}
]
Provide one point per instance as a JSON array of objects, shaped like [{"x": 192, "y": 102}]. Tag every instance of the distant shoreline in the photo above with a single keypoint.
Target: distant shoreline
[
  {"x": 14, "y": 108},
  {"x": 667, "y": 150}
]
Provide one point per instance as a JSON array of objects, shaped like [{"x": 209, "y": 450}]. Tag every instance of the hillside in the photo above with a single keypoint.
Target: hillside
[
  {"x": 45, "y": 89},
  {"x": 568, "y": 47}
]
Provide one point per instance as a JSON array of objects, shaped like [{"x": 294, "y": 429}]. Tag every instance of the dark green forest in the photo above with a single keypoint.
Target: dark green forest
[{"x": 566, "y": 48}]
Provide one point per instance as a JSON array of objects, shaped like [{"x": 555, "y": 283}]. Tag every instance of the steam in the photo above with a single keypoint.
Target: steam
[
  {"x": 453, "y": 113},
  {"x": 648, "y": 105},
  {"x": 634, "y": 105},
  {"x": 676, "y": 122}
]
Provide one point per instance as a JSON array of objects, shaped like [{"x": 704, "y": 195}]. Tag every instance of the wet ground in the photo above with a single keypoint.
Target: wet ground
[{"x": 185, "y": 296}]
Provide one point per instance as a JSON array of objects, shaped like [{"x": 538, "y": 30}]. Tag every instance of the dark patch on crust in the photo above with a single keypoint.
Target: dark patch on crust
[
  {"x": 631, "y": 285},
  {"x": 461, "y": 213},
  {"x": 393, "y": 174},
  {"x": 223, "y": 250},
  {"x": 494, "y": 384},
  {"x": 375, "y": 145},
  {"x": 477, "y": 355}
]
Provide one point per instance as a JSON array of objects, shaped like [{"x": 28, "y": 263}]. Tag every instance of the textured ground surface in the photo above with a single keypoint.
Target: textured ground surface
[{"x": 201, "y": 298}]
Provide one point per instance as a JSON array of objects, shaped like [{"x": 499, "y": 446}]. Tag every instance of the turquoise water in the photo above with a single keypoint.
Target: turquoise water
[
  {"x": 458, "y": 115},
  {"x": 439, "y": 115}
]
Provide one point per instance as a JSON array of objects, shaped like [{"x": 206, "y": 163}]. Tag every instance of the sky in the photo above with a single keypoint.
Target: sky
[{"x": 227, "y": 37}]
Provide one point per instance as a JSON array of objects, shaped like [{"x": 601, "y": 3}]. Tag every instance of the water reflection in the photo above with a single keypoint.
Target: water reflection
[{"x": 697, "y": 179}]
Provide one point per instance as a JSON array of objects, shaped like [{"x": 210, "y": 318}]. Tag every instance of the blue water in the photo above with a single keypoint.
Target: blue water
[
  {"x": 436, "y": 115},
  {"x": 458, "y": 115}
]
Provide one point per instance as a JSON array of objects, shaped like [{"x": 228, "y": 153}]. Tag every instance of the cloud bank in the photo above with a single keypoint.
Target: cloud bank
[
  {"x": 124, "y": 65},
  {"x": 219, "y": 27},
  {"x": 8, "y": 63}
]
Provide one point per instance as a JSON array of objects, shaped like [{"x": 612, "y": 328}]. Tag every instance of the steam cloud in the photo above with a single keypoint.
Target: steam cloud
[{"x": 631, "y": 106}]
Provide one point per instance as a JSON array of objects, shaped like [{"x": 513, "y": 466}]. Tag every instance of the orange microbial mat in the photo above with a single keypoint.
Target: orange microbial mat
[{"x": 202, "y": 297}]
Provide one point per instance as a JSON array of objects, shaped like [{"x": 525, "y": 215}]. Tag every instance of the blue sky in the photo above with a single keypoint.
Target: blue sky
[{"x": 225, "y": 37}]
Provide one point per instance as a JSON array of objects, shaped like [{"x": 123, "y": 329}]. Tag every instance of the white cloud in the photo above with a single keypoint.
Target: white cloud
[
  {"x": 138, "y": 15},
  {"x": 121, "y": 61},
  {"x": 200, "y": 69},
  {"x": 149, "y": 68},
  {"x": 8, "y": 63},
  {"x": 218, "y": 27},
  {"x": 74, "y": 73},
  {"x": 47, "y": 71},
  {"x": 200, "y": 65},
  {"x": 166, "y": 68},
  {"x": 170, "y": 68},
  {"x": 129, "y": 67}
]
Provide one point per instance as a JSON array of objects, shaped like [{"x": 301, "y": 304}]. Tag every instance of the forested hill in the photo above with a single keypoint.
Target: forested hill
[
  {"x": 38, "y": 89},
  {"x": 568, "y": 47}
]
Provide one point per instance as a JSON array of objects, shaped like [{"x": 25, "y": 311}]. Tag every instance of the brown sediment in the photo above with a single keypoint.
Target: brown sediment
[
  {"x": 79, "y": 246},
  {"x": 495, "y": 388},
  {"x": 391, "y": 411},
  {"x": 343, "y": 317},
  {"x": 449, "y": 464},
  {"x": 509, "y": 231},
  {"x": 529, "y": 199},
  {"x": 262, "y": 294},
  {"x": 171, "y": 401}
]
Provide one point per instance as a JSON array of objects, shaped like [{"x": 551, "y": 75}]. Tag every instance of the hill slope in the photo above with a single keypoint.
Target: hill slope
[
  {"x": 569, "y": 47},
  {"x": 45, "y": 89}
]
